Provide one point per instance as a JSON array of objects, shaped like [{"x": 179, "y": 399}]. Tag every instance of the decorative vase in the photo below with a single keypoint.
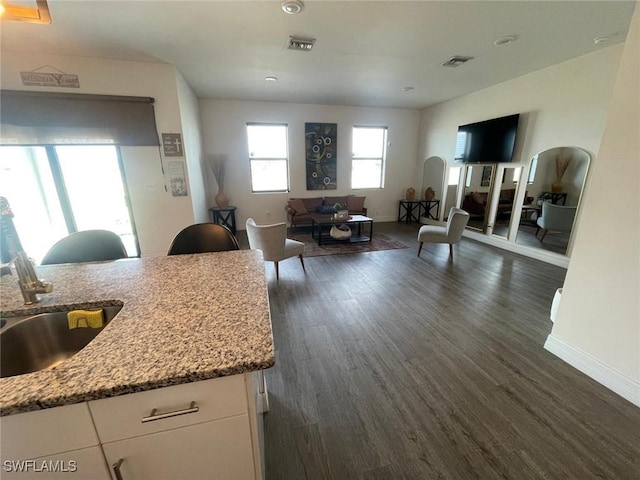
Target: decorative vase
[
  {"x": 411, "y": 194},
  {"x": 557, "y": 186},
  {"x": 429, "y": 193},
  {"x": 221, "y": 199}
]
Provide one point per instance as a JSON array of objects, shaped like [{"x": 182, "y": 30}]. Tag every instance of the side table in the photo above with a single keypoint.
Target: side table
[
  {"x": 431, "y": 209},
  {"x": 224, "y": 216},
  {"x": 409, "y": 210}
]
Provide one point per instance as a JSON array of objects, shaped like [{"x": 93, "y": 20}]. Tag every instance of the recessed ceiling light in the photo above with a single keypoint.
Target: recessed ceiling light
[
  {"x": 407, "y": 89},
  {"x": 292, "y": 6},
  {"x": 602, "y": 39},
  {"x": 271, "y": 79},
  {"x": 505, "y": 40}
]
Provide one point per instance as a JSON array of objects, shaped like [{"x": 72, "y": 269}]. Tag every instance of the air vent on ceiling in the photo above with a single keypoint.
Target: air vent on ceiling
[
  {"x": 456, "y": 60},
  {"x": 302, "y": 44}
]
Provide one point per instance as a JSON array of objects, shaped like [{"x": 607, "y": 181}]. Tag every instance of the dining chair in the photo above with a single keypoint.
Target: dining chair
[
  {"x": 203, "y": 238},
  {"x": 86, "y": 246}
]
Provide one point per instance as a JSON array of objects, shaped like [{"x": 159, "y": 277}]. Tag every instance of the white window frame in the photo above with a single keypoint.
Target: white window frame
[
  {"x": 382, "y": 159},
  {"x": 284, "y": 159}
]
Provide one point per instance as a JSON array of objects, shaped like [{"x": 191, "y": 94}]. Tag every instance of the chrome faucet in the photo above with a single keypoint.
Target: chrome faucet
[
  {"x": 11, "y": 249},
  {"x": 30, "y": 284}
]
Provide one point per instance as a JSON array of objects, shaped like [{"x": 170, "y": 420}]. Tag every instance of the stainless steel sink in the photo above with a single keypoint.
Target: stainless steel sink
[{"x": 29, "y": 344}]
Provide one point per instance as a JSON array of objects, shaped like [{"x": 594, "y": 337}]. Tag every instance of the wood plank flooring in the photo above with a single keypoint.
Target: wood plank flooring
[{"x": 390, "y": 366}]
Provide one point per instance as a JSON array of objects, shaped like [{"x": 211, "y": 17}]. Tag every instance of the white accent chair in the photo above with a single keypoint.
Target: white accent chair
[
  {"x": 273, "y": 241},
  {"x": 450, "y": 232},
  {"x": 558, "y": 218}
]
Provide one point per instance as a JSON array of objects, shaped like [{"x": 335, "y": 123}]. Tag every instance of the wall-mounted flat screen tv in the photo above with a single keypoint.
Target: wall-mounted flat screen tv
[{"x": 491, "y": 141}]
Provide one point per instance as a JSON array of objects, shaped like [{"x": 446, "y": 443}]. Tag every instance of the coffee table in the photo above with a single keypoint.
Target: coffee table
[{"x": 322, "y": 221}]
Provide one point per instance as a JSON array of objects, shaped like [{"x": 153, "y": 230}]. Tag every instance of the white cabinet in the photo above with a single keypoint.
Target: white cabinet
[
  {"x": 206, "y": 429},
  {"x": 217, "y": 450},
  {"x": 51, "y": 443}
]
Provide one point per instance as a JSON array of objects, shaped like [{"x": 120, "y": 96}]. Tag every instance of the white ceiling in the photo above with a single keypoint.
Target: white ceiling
[{"x": 365, "y": 53}]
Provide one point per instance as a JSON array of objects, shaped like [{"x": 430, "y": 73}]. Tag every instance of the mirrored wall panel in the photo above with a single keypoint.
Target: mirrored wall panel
[
  {"x": 554, "y": 186},
  {"x": 478, "y": 181},
  {"x": 506, "y": 203}
]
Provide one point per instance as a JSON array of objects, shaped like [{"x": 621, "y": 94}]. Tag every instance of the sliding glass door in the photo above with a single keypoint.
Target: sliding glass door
[{"x": 57, "y": 190}]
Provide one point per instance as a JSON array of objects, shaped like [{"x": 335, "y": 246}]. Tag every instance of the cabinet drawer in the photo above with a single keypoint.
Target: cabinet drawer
[
  {"x": 46, "y": 432},
  {"x": 218, "y": 450},
  {"x": 121, "y": 417}
]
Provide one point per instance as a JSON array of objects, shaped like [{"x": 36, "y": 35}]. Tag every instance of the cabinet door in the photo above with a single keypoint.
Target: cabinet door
[
  {"x": 84, "y": 463},
  {"x": 219, "y": 449}
]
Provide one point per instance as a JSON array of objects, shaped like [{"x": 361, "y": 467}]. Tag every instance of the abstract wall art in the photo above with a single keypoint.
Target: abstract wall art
[{"x": 321, "y": 148}]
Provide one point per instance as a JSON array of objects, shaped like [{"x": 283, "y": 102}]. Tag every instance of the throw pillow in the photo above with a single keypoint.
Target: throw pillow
[
  {"x": 298, "y": 205},
  {"x": 331, "y": 201},
  {"x": 476, "y": 197},
  {"x": 325, "y": 209},
  {"x": 355, "y": 203}
]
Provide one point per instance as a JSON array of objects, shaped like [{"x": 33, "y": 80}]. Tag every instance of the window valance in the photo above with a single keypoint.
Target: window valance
[{"x": 44, "y": 118}]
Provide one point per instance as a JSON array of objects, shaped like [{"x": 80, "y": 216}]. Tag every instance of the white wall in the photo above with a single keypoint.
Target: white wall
[
  {"x": 190, "y": 117},
  {"x": 562, "y": 105},
  {"x": 158, "y": 215},
  {"x": 224, "y": 132},
  {"x": 597, "y": 327}
]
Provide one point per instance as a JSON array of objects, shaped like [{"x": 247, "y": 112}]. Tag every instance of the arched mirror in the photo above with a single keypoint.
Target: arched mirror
[
  {"x": 478, "y": 181},
  {"x": 506, "y": 202},
  {"x": 554, "y": 187},
  {"x": 432, "y": 186}
]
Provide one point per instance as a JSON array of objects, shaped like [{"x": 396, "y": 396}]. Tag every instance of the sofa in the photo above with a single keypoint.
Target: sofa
[
  {"x": 299, "y": 210},
  {"x": 476, "y": 202}
]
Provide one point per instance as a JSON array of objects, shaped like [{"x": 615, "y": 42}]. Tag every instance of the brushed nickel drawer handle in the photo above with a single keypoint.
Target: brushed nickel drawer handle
[
  {"x": 116, "y": 469},
  {"x": 153, "y": 416}
]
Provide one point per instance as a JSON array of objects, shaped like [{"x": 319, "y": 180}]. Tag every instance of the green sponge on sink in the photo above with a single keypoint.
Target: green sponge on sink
[{"x": 85, "y": 319}]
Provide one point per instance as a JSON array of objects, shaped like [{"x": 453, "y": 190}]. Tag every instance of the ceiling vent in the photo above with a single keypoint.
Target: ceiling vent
[
  {"x": 302, "y": 44},
  {"x": 456, "y": 60}
]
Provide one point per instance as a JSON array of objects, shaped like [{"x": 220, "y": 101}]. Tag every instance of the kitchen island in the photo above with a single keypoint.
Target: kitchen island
[{"x": 184, "y": 319}]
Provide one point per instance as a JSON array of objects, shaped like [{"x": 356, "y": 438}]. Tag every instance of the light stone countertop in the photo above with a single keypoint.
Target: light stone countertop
[{"x": 184, "y": 318}]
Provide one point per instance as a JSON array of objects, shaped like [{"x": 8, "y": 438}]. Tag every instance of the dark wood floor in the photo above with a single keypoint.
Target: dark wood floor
[{"x": 394, "y": 367}]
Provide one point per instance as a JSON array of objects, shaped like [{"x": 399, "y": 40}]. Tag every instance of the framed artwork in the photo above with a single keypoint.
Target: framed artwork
[
  {"x": 486, "y": 176},
  {"x": 320, "y": 141}
]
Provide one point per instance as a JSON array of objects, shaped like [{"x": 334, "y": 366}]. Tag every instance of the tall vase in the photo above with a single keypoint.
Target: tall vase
[
  {"x": 557, "y": 186},
  {"x": 221, "y": 199}
]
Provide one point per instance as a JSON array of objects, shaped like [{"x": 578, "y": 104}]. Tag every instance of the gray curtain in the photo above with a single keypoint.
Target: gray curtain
[{"x": 43, "y": 118}]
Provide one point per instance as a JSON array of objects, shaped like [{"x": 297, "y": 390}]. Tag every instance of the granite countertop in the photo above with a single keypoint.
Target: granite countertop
[{"x": 184, "y": 318}]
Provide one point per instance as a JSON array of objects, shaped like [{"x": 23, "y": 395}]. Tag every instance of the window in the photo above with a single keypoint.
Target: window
[
  {"x": 369, "y": 153},
  {"x": 269, "y": 157},
  {"x": 57, "y": 190},
  {"x": 532, "y": 170},
  {"x": 454, "y": 176}
]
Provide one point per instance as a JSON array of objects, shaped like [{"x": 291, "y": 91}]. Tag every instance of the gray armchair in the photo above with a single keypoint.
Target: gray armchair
[
  {"x": 450, "y": 233},
  {"x": 556, "y": 218},
  {"x": 273, "y": 241}
]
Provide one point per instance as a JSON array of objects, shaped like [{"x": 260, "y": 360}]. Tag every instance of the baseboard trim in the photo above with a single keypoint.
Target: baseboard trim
[{"x": 594, "y": 368}]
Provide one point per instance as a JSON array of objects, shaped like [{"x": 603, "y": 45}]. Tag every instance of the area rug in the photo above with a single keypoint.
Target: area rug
[{"x": 379, "y": 242}]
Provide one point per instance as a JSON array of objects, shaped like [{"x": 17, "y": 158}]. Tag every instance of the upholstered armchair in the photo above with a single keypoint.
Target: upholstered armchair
[
  {"x": 450, "y": 233},
  {"x": 555, "y": 217},
  {"x": 273, "y": 241}
]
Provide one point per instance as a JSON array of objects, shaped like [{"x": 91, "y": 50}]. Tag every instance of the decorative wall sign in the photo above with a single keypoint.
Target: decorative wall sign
[
  {"x": 35, "y": 78},
  {"x": 321, "y": 147},
  {"x": 172, "y": 145},
  {"x": 177, "y": 179},
  {"x": 486, "y": 176}
]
